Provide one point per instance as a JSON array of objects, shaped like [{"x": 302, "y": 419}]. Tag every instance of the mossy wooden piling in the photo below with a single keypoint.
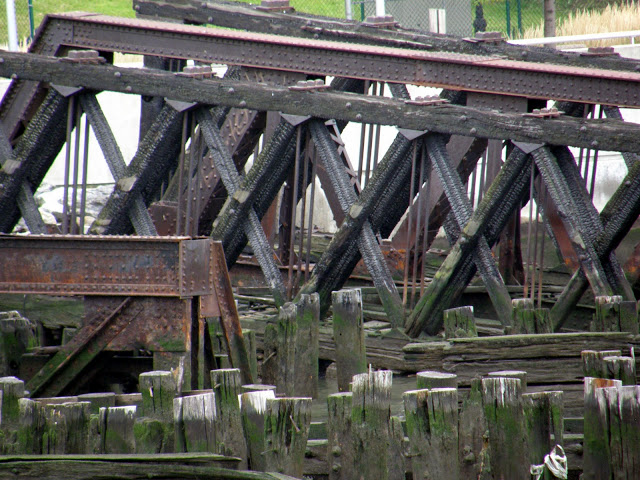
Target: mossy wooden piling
[
  {"x": 286, "y": 430},
  {"x": 229, "y": 439},
  {"x": 459, "y": 323},
  {"x": 432, "y": 428},
  {"x": 595, "y": 463},
  {"x": 307, "y": 346},
  {"x": 348, "y": 334},
  {"x": 253, "y": 406},
  {"x": 472, "y": 427},
  {"x": 252, "y": 350},
  {"x": 158, "y": 390},
  {"x": 544, "y": 421},
  {"x": 286, "y": 349},
  {"x": 11, "y": 391},
  {"x": 340, "y": 454},
  {"x": 370, "y": 414},
  {"x": 613, "y": 314},
  {"x": 502, "y": 400},
  {"x": 117, "y": 429},
  {"x": 432, "y": 379},
  {"x": 519, "y": 374},
  {"x": 194, "y": 420},
  {"x": 529, "y": 319}
]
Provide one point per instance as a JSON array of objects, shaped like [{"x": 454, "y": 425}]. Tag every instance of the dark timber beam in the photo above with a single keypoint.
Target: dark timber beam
[
  {"x": 617, "y": 217},
  {"x": 462, "y": 211},
  {"x": 33, "y": 155},
  {"x": 605, "y": 134},
  {"x": 156, "y": 154},
  {"x": 251, "y": 225},
  {"x": 504, "y": 195}
]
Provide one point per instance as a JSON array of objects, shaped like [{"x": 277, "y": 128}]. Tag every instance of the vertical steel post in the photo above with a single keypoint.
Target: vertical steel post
[{"x": 12, "y": 29}]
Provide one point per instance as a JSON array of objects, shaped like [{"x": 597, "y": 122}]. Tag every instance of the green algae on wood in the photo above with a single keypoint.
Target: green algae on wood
[
  {"x": 253, "y": 406},
  {"x": 502, "y": 403},
  {"x": 544, "y": 419},
  {"x": 194, "y": 418},
  {"x": 432, "y": 428},
  {"x": 340, "y": 459},
  {"x": 229, "y": 438},
  {"x": 432, "y": 379},
  {"x": 117, "y": 429},
  {"x": 459, "y": 323},
  {"x": 307, "y": 346},
  {"x": 348, "y": 334}
]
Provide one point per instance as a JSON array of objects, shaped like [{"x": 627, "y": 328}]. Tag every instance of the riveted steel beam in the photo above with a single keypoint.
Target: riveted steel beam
[{"x": 247, "y": 17}]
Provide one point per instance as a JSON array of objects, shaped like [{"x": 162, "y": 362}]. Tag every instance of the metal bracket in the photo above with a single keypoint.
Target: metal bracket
[
  {"x": 386, "y": 21},
  {"x": 486, "y": 37},
  {"x": 600, "y": 52},
  {"x": 412, "y": 134},
  {"x": 528, "y": 147},
  {"x": 544, "y": 113},
  {"x": 425, "y": 101},
  {"x": 179, "y": 106},
  {"x": 295, "y": 120},
  {"x": 309, "y": 86},
  {"x": 91, "y": 57},
  {"x": 275, "y": 6},
  {"x": 199, "y": 72},
  {"x": 66, "y": 91}
]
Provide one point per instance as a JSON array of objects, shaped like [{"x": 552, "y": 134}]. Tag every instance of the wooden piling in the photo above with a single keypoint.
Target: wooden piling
[
  {"x": 286, "y": 430},
  {"x": 621, "y": 368},
  {"x": 348, "y": 334},
  {"x": 286, "y": 349},
  {"x": 432, "y": 428},
  {"x": 229, "y": 438},
  {"x": 32, "y": 424},
  {"x": 17, "y": 334},
  {"x": 269, "y": 367},
  {"x": 98, "y": 400},
  {"x": 619, "y": 416},
  {"x": 613, "y": 314},
  {"x": 158, "y": 390},
  {"x": 544, "y": 420},
  {"x": 251, "y": 346},
  {"x": 593, "y": 362},
  {"x": 431, "y": 379},
  {"x": 370, "y": 416},
  {"x": 307, "y": 346},
  {"x": 527, "y": 319},
  {"x": 519, "y": 374},
  {"x": 253, "y": 406},
  {"x": 472, "y": 427},
  {"x": 595, "y": 463},
  {"x": 340, "y": 456},
  {"x": 11, "y": 391},
  {"x": 194, "y": 418},
  {"x": 397, "y": 450},
  {"x": 66, "y": 428},
  {"x": 459, "y": 323},
  {"x": 502, "y": 401},
  {"x": 117, "y": 429}
]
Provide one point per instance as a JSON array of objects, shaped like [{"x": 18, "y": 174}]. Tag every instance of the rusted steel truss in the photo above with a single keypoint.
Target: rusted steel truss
[{"x": 187, "y": 175}]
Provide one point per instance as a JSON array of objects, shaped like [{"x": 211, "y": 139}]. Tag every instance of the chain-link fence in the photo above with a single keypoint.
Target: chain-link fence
[{"x": 23, "y": 20}]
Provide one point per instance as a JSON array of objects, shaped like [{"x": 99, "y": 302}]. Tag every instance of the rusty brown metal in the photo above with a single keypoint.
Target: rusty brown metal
[{"x": 105, "y": 265}]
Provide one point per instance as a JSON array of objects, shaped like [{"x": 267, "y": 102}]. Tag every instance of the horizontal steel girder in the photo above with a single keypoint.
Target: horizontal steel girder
[
  {"x": 604, "y": 134},
  {"x": 107, "y": 265},
  {"x": 480, "y": 73}
]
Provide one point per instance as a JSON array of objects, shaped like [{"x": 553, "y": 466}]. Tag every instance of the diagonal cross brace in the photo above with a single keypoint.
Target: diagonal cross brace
[
  {"x": 560, "y": 193},
  {"x": 251, "y": 226},
  {"x": 617, "y": 217},
  {"x": 489, "y": 219},
  {"x": 462, "y": 211},
  {"x": 138, "y": 213},
  {"x": 367, "y": 242}
]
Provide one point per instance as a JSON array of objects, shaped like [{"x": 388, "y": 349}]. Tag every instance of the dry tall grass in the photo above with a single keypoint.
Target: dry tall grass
[{"x": 614, "y": 18}]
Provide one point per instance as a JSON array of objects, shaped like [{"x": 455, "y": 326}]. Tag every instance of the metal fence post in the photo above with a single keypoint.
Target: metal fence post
[{"x": 12, "y": 29}]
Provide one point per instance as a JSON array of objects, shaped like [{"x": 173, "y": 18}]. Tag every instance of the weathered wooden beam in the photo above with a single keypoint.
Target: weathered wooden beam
[
  {"x": 504, "y": 195},
  {"x": 155, "y": 156},
  {"x": 461, "y": 209},
  {"x": 32, "y": 157},
  {"x": 367, "y": 243},
  {"x": 617, "y": 217},
  {"x": 607, "y": 134},
  {"x": 138, "y": 215},
  {"x": 251, "y": 225}
]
